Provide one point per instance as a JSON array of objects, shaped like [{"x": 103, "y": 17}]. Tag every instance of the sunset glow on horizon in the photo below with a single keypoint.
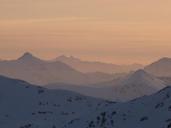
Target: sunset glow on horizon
[{"x": 116, "y": 31}]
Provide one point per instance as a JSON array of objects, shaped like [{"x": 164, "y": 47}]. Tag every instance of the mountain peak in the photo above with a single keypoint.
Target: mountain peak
[
  {"x": 27, "y": 56},
  {"x": 64, "y": 58},
  {"x": 161, "y": 67},
  {"x": 140, "y": 72},
  {"x": 165, "y": 59},
  {"x": 144, "y": 78},
  {"x": 138, "y": 76}
]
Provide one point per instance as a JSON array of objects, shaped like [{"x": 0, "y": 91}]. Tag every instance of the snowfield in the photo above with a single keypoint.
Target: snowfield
[{"x": 23, "y": 105}]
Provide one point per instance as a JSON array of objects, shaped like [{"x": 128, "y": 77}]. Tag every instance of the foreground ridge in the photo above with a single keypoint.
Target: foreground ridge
[{"x": 23, "y": 105}]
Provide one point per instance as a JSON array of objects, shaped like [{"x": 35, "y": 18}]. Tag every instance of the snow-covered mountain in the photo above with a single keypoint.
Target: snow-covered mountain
[
  {"x": 27, "y": 106},
  {"x": 23, "y": 105},
  {"x": 147, "y": 112},
  {"x": 88, "y": 66},
  {"x": 134, "y": 85},
  {"x": 160, "y": 68},
  {"x": 37, "y": 71}
]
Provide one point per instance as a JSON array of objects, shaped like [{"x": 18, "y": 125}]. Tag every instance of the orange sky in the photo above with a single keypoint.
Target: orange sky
[{"x": 118, "y": 31}]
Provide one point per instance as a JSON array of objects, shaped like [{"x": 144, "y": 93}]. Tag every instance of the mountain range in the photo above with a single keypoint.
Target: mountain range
[
  {"x": 59, "y": 75},
  {"x": 134, "y": 85},
  {"x": 90, "y": 66},
  {"x": 23, "y": 105},
  {"x": 74, "y": 99},
  {"x": 159, "y": 68},
  {"x": 37, "y": 71}
]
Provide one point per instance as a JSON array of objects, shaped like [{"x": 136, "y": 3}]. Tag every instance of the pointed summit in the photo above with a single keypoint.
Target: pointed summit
[
  {"x": 140, "y": 73},
  {"x": 28, "y": 57},
  {"x": 144, "y": 79}
]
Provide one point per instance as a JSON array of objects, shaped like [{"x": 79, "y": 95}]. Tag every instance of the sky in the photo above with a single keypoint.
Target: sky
[{"x": 117, "y": 31}]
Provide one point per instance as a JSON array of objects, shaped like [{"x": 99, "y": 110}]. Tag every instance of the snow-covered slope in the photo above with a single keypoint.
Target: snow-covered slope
[
  {"x": 167, "y": 80},
  {"x": 90, "y": 66},
  {"x": 26, "y": 106},
  {"x": 134, "y": 85},
  {"x": 147, "y": 112},
  {"x": 37, "y": 71},
  {"x": 161, "y": 68}
]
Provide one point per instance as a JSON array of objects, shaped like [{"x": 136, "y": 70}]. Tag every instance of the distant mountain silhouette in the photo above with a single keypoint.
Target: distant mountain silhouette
[
  {"x": 90, "y": 66},
  {"x": 125, "y": 88},
  {"x": 161, "y": 68},
  {"x": 37, "y": 71}
]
